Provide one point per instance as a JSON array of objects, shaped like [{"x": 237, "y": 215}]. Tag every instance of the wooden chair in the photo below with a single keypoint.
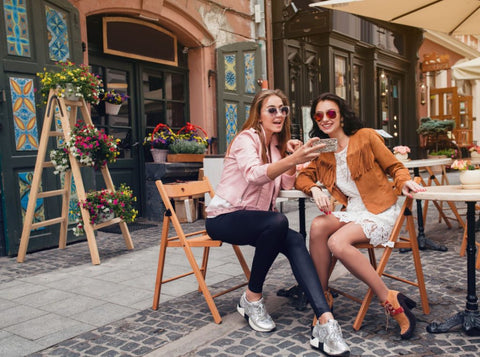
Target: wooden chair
[
  {"x": 406, "y": 242},
  {"x": 179, "y": 191}
]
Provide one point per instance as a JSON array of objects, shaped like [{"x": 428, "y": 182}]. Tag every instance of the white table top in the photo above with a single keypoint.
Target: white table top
[
  {"x": 426, "y": 162},
  {"x": 449, "y": 193},
  {"x": 292, "y": 194}
]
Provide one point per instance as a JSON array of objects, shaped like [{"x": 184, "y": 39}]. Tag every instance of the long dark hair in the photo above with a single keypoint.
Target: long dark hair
[{"x": 351, "y": 123}]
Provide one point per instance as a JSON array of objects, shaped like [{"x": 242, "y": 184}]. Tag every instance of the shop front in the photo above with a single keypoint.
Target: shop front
[
  {"x": 155, "y": 52},
  {"x": 371, "y": 65}
]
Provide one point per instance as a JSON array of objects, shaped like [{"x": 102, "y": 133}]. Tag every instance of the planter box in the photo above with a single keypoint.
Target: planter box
[{"x": 185, "y": 157}]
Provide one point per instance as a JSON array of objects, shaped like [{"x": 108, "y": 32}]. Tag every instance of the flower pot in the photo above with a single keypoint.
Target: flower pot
[
  {"x": 401, "y": 157},
  {"x": 70, "y": 93},
  {"x": 112, "y": 109},
  {"x": 470, "y": 178},
  {"x": 105, "y": 217},
  {"x": 185, "y": 157},
  {"x": 159, "y": 155}
]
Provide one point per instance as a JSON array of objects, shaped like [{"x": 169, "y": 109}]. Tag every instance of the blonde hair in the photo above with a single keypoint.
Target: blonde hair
[{"x": 254, "y": 116}]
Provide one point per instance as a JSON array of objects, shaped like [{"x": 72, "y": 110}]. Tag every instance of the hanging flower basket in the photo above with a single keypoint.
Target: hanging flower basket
[
  {"x": 72, "y": 82},
  {"x": 112, "y": 109},
  {"x": 89, "y": 145},
  {"x": 113, "y": 101},
  {"x": 104, "y": 205}
]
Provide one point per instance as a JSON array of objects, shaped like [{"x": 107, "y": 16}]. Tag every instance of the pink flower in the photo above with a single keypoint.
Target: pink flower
[{"x": 401, "y": 149}]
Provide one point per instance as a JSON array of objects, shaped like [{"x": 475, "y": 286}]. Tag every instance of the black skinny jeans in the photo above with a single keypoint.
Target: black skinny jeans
[{"x": 269, "y": 233}]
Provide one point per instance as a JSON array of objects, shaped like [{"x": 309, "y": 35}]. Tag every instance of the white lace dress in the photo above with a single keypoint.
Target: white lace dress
[{"x": 377, "y": 227}]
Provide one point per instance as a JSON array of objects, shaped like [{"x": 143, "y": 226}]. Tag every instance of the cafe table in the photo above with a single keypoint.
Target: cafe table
[
  {"x": 469, "y": 319},
  {"x": 296, "y": 293},
  {"x": 428, "y": 164}
]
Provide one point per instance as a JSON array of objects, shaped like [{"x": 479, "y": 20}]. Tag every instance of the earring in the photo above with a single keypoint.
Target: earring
[{"x": 341, "y": 122}]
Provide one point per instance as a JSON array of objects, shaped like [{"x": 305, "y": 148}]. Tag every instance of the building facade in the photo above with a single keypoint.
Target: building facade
[
  {"x": 164, "y": 54},
  {"x": 198, "y": 61}
]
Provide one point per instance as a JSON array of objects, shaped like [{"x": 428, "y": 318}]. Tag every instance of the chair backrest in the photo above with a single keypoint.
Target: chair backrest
[{"x": 179, "y": 190}]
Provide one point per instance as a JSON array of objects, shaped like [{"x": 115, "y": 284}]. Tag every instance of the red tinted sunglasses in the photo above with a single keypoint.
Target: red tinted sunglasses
[{"x": 331, "y": 114}]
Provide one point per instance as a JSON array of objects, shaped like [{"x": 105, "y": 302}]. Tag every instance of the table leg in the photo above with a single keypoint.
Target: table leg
[
  {"x": 423, "y": 241},
  {"x": 470, "y": 317},
  {"x": 299, "y": 300}
]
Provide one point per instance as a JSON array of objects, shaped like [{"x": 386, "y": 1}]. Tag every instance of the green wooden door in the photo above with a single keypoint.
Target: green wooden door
[
  {"x": 118, "y": 75},
  {"x": 33, "y": 35},
  {"x": 239, "y": 67}
]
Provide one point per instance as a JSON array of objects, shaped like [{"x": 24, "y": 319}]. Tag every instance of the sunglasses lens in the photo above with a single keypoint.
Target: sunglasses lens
[
  {"x": 274, "y": 111},
  {"x": 331, "y": 114},
  {"x": 318, "y": 116}
]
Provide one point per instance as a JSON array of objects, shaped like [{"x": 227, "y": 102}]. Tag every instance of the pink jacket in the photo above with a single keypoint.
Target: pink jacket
[{"x": 244, "y": 182}]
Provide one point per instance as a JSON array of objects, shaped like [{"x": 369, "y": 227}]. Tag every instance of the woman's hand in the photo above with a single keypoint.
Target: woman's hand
[
  {"x": 412, "y": 186},
  {"x": 321, "y": 199},
  {"x": 302, "y": 153}
]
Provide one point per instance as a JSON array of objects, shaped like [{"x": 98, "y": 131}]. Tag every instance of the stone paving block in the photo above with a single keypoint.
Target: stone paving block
[
  {"x": 19, "y": 314},
  {"x": 44, "y": 297},
  {"x": 74, "y": 305},
  {"x": 15, "y": 346},
  {"x": 129, "y": 296},
  {"x": 104, "y": 314},
  {"x": 19, "y": 290},
  {"x": 42, "y": 326}
]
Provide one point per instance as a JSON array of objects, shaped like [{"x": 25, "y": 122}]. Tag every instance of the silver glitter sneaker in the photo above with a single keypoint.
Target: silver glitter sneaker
[
  {"x": 256, "y": 314},
  {"x": 328, "y": 338}
]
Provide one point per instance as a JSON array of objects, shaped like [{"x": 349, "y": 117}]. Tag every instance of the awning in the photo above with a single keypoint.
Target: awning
[{"x": 467, "y": 70}]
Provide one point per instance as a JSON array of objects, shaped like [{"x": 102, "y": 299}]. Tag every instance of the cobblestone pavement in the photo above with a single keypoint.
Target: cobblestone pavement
[{"x": 184, "y": 326}]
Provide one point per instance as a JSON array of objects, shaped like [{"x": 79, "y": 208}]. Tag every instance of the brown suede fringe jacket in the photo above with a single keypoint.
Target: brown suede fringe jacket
[{"x": 368, "y": 160}]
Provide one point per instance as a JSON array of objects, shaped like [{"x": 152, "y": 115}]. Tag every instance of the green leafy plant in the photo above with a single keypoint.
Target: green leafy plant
[
  {"x": 446, "y": 152},
  {"x": 190, "y": 139},
  {"x": 187, "y": 147},
  {"x": 82, "y": 83},
  {"x": 436, "y": 133},
  {"x": 103, "y": 205}
]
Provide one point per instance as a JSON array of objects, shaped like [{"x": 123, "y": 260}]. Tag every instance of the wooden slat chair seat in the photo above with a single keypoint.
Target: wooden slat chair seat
[
  {"x": 407, "y": 242},
  {"x": 187, "y": 241}
]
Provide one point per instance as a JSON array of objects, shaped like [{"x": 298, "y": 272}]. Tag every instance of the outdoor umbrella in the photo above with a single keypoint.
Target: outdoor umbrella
[
  {"x": 449, "y": 16},
  {"x": 467, "y": 70}
]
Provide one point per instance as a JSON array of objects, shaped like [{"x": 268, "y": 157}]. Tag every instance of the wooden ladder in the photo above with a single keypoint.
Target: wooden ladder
[{"x": 67, "y": 122}]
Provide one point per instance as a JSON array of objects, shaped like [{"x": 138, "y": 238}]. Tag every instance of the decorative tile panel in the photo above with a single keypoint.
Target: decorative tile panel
[
  {"x": 25, "y": 184},
  {"x": 231, "y": 120},
  {"x": 72, "y": 205},
  {"x": 24, "y": 116},
  {"x": 230, "y": 62},
  {"x": 247, "y": 111},
  {"x": 16, "y": 26},
  {"x": 249, "y": 65},
  {"x": 57, "y": 32}
]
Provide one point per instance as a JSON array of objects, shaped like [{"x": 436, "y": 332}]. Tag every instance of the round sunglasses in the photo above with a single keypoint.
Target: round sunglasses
[
  {"x": 331, "y": 114},
  {"x": 282, "y": 110}
]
